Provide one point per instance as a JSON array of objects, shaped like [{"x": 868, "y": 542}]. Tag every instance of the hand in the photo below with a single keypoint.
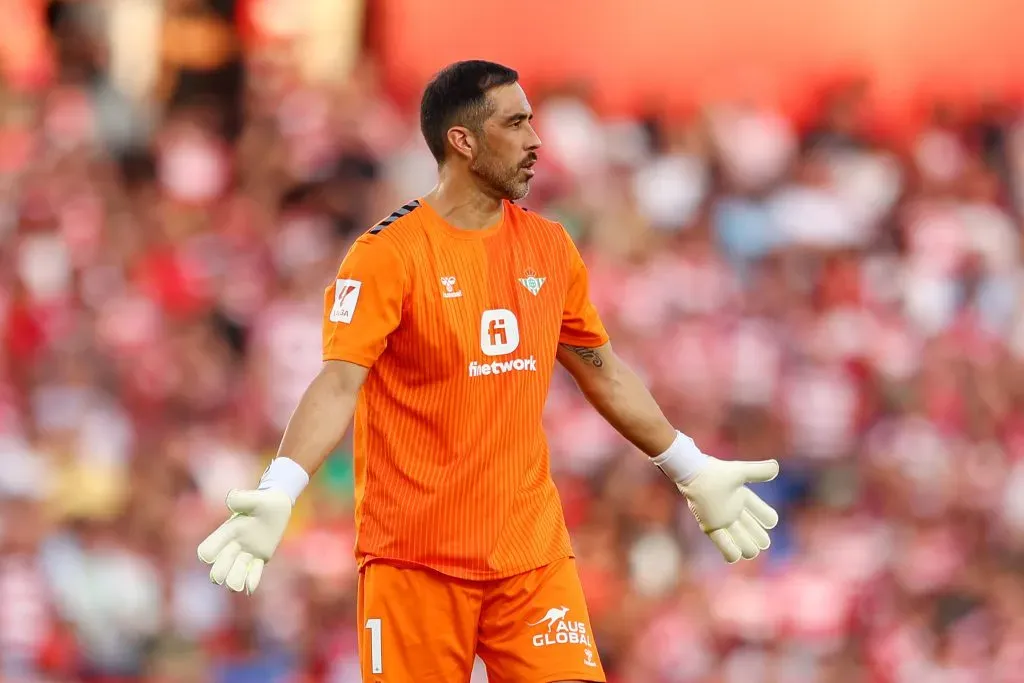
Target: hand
[
  {"x": 734, "y": 517},
  {"x": 240, "y": 547}
]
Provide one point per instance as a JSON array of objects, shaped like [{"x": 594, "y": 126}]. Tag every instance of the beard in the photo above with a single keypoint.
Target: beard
[{"x": 502, "y": 179}]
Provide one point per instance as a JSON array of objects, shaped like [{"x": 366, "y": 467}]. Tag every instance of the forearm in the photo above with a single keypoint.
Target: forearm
[
  {"x": 320, "y": 420},
  {"x": 621, "y": 398},
  {"x": 315, "y": 427}
]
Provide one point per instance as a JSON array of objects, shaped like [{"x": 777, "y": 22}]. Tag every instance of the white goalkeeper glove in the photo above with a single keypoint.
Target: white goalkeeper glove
[
  {"x": 734, "y": 517},
  {"x": 240, "y": 547}
]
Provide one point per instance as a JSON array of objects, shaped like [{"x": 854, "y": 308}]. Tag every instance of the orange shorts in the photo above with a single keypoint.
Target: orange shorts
[{"x": 419, "y": 626}]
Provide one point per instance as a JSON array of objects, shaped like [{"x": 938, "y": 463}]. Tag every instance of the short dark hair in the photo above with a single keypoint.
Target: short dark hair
[{"x": 457, "y": 95}]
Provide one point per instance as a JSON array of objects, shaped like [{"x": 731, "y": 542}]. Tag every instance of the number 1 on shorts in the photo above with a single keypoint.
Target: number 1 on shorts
[{"x": 376, "y": 653}]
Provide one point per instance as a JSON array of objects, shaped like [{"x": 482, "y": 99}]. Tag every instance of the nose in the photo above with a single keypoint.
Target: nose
[{"x": 533, "y": 143}]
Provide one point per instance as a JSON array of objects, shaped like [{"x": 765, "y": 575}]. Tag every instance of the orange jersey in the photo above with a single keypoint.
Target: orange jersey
[{"x": 459, "y": 329}]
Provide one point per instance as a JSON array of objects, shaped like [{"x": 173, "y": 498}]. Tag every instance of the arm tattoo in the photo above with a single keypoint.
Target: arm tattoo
[{"x": 587, "y": 355}]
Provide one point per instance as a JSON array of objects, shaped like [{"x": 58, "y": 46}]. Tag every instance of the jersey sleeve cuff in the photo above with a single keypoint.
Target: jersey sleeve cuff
[
  {"x": 590, "y": 341},
  {"x": 366, "y": 360}
]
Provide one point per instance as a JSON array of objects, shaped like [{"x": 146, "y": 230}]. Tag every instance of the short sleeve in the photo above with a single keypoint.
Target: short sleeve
[
  {"x": 581, "y": 325},
  {"x": 364, "y": 304}
]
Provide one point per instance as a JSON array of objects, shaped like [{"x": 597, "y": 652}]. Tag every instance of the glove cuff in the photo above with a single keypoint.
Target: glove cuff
[
  {"x": 682, "y": 461},
  {"x": 284, "y": 474}
]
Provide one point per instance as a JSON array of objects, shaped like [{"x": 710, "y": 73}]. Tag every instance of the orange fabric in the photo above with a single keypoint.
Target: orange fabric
[
  {"x": 531, "y": 627},
  {"x": 679, "y": 54},
  {"x": 426, "y": 625},
  {"x": 460, "y": 330}
]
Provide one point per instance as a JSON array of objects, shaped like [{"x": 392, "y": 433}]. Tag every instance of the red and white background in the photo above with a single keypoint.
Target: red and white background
[{"x": 802, "y": 222}]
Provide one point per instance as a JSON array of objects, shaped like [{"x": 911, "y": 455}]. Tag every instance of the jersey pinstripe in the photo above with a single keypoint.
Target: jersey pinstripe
[{"x": 459, "y": 330}]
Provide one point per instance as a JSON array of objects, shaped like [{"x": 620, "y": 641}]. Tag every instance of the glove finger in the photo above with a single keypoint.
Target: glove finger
[
  {"x": 244, "y": 502},
  {"x": 761, "y": 471},
  {"x": 755, "y": 530},
  {"x": 252, "y": 579},
  {"x": 762, "y": 511},
  {"x": 225, "y": 559},
  {"x": 723, "y": 539},
  {"x": 214, "y": 544},
  {"x": 743, "y": 541},
  {"x": 239, "y": 569}
]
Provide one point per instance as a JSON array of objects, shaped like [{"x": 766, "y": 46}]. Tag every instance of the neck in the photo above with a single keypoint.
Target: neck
[{"x": 462, "y": 202}]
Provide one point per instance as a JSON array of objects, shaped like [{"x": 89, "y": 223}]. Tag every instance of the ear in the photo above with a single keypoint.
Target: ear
[{"x": 463, "y": 141}]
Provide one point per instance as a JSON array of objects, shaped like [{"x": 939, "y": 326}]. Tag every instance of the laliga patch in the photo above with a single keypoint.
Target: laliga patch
[{"x": 346, "y": 296}]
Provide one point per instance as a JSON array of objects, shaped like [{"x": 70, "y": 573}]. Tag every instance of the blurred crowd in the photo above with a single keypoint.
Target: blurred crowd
[{"x": 803, "y": 290}]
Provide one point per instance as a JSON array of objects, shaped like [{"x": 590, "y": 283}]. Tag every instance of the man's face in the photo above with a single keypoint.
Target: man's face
[{"x": 508, "y": 144}]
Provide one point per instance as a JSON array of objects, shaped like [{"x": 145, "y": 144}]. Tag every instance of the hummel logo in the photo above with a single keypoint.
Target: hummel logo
[{"x": 448, "y": 282}]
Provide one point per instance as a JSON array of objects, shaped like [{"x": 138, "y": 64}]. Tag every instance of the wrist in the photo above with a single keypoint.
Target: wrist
[
  {"x": 286, "y": 475},
  {"x": 682, "y": 461}
]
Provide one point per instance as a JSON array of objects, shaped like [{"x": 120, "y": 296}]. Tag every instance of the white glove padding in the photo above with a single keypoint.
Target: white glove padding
[
  {"x": 734, "y": 517},
  {"x": 240, "y": 547}
]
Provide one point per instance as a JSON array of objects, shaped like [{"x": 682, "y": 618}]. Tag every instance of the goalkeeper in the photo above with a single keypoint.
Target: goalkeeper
[{"x": 440, "y": 336}]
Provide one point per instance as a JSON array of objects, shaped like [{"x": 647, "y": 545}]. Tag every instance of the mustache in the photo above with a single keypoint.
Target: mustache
[{"x": 532, "y": 159}]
